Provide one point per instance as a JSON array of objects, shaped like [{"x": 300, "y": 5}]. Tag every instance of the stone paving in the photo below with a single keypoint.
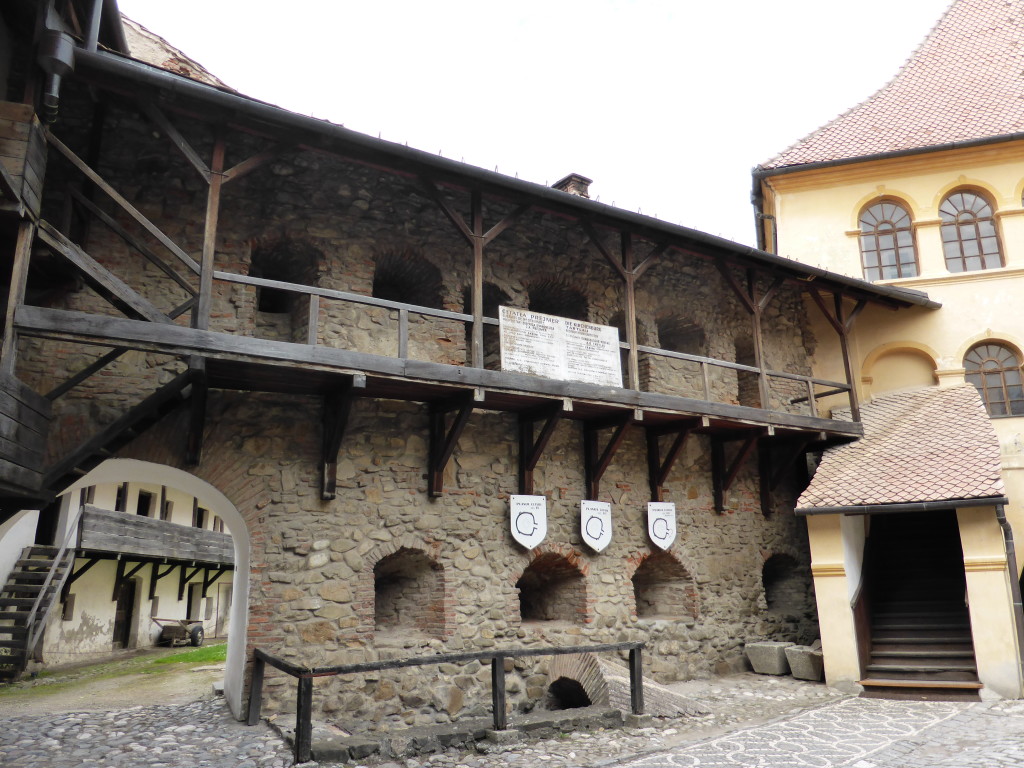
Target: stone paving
[{"x": 750, "y": 722}]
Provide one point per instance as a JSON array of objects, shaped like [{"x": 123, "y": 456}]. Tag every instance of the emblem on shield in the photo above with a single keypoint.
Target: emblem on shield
[
  {"x": 661, "y": 523},
  {"x": 596, "y": 524},
  {"x": 529, "y": 519}
]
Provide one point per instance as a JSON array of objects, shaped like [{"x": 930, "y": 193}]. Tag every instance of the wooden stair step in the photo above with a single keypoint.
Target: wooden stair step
[
  {"x": 924, "y": 625},
  {"x": 882, "y": 682},
  {"x": 18, "y": 617},
  {"x": 925, "y": 665},
  {"x": 22, "y": 589},
  {"x": 17, "y": 602},
  {"x": 11, "y": 644},
  {"x": 922, "y": 653},
  {"x": 13, "y": 631}
]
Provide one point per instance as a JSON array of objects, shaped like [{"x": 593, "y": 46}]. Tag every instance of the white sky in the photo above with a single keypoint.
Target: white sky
[{"x": 666, "y": 105}]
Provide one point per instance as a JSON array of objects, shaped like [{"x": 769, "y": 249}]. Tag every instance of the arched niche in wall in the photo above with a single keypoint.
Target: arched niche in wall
[
  {"x": 552, "y": 589},
  {"x": 406, "y": 276},
  {"x": 280, "y": 314},
  {"x": 664, "y": 589},
  {"x": 408, "y": 593},
  {"x": 556, "y": 296},
  {"x": 786, "y": 586},
  {"x": 899, "y": 367},
  {"x": 494, "y": 297}
]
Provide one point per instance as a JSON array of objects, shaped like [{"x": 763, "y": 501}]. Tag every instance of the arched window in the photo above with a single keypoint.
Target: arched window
[
  {"x": 887, "y": 242},
  {"x": 969, "y": 238},
  {"x": 995, "y": 371}
]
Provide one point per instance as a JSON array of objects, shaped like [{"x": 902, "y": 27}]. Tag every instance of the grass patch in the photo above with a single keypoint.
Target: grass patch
[{"x": 208, "y": 654}]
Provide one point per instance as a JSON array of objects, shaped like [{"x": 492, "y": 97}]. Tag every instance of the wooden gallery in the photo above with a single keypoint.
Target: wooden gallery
[{"x": 366, "y": 359}]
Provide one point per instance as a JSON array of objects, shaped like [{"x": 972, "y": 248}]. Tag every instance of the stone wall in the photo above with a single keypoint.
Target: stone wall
[{"x": 383, "y": 570}]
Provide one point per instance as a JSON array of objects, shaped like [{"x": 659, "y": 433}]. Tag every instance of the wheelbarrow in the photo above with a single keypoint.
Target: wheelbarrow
[{"x": 175, "y": 632}]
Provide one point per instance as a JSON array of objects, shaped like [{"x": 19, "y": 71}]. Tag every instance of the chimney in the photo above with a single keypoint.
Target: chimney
[{"x": 574, "y": 184}]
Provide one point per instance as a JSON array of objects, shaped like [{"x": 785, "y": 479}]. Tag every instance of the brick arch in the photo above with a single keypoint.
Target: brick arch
[
  {"x": 585, "y": 669},
  {"x": 563, "y": 567},
  {"x": 669, "y": 591},
  {"x": 440, "y": 620}
]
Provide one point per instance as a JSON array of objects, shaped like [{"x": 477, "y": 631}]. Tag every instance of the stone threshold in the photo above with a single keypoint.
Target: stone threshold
[{"x": 331, "y": 745}]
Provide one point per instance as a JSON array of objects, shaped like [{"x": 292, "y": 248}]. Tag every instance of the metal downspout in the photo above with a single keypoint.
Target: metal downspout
[{"x": 1011, "y": 559}]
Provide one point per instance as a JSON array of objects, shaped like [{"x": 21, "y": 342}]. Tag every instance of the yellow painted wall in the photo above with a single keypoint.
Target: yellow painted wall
[
  {"x": 817, "y": 213},
  {"x": 989, "y": 597}
]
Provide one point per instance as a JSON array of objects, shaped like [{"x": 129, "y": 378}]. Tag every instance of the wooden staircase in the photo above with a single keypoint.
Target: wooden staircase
[
  {"x": 18, "y": 621},
  {"x": 921, "y": 645}
]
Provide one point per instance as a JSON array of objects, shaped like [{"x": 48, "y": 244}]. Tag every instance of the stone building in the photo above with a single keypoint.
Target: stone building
[
  {"x": 920, "y": 186},
  {"x": 298, "y": 325}
]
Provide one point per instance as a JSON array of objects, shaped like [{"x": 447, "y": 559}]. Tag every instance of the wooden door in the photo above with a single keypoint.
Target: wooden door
[{"x": 124, "y": 613}]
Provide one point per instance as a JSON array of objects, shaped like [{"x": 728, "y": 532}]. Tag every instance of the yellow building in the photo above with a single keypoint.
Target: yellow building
[{"x": 920, "y": 187}]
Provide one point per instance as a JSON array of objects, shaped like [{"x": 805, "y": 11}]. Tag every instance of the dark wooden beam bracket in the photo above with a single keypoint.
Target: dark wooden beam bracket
[
  {"x": 337, "y": 410},
  {"x": 185, "y": 577},
  {"x": 530, "y": 450},
  {"x": 208, "y": 579},
  {"x": 658, "y": 469},
  {"x": 123, "y": 574},
  {"x": 155, "y": 575},
  {"x": 722, "y": 473},
  {"x": 595, "y": 460},
  {"x": 76, "y": 575},
  {"x": 443, "y": 438},
  {"x": 198, "y": 397}
]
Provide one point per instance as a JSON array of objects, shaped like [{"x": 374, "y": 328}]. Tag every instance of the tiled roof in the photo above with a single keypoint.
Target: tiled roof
[
  {"x": 965, "y": 82},
  {"x": 150, "y": 48},
  {"x": 933, "y": 444}
]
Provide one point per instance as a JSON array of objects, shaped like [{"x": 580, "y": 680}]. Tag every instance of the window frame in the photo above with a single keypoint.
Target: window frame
[
  {"x": 953, "y": 222},
  {"x": 975, "y": 373},
  {"x": 867, "y": 230}
]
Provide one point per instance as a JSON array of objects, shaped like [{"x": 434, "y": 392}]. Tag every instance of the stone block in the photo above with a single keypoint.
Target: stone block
[
  {"x": 806, "y": 662},
  {"x": 508, "y": 736},
  {"x": 768, "y": 657}
]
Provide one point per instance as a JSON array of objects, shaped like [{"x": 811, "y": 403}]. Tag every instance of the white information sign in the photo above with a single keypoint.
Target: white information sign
[
  {"x": 559, "y": 348},
  {"x": 661, "y": 523},
  {"x": 529, "y": 519},
  {"x": 596, "y": 524}
]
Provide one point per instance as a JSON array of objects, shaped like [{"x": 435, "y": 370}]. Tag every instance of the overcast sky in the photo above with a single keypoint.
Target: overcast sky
[{"x": 665, "y": 105}]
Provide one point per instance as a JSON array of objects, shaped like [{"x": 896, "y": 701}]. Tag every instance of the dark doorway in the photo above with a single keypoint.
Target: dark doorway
[
  {"x": 124, "y": 613},
  {"x": 565, "y": 693}
]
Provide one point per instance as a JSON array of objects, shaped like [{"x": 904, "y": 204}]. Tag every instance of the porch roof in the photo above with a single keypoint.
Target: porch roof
[{"x": 920, "y": 446}]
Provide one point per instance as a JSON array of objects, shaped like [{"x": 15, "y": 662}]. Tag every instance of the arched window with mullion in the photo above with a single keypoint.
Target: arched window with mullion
[
  {"x": 969, "y": 238},
  {"x": 887, "y": 242},
  {"x": 995, "y": 371}
]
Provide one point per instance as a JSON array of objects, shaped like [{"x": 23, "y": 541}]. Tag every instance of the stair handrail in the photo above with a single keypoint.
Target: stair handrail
[{"x": 32, "y": 624}]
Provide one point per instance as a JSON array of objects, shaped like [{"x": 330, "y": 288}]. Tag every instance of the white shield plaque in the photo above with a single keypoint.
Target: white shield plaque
[
  {"x": 529, "y": 519},
  {"x": 661, "y": 523},
  {"x": 596, "y": 524}
]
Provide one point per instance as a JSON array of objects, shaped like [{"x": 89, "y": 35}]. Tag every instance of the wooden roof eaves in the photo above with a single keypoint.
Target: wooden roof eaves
[{"x": 323, "y": 135}]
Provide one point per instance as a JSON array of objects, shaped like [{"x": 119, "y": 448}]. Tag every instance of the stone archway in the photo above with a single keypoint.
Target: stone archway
[{"x": 133, "y": 470}]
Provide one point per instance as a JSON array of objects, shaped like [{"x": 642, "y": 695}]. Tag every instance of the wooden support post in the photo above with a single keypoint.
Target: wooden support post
[
  {"x": 256, "y": 691},
  {"x": 304, "y": 720},
  {"x": 184, "y": 578},
  {"x": 76, "y": 575},
  {"x": 201, "y": 315},
  {"x": 313, "y": 323},
  {"x": 633, "y": 372},
  {"x": 337, "y": 409},
  {"x": 658, "y": 470},
  {"x": 723, "y": 474},
  {"x": 636, "y": 680},
  {"x": 477, "y": 337},
  {"x": 530, "y": 450},
  {"x": 16, "y": 296},
  {"x": 443, "y": 440},
  {"x": 118, "y": 578},
  {"x": 842, "y": 324},
  {"x": 155, "y": 576},
  {"x": 197, "y": 412},
  {"x": 498, "y": 693},
  {"x": 764, "y": 475},
  {"x": 596, "y": 461},
  {"x": 208, "y": 579}
]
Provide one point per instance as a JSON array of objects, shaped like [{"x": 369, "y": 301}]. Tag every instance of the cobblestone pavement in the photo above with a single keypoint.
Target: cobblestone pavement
[{"x": 751, "y": 722}]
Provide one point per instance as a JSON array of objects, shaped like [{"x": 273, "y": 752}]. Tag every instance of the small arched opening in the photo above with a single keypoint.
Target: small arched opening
[
  {"x": 785, "y": 586},
  {"x": 408, "y": 593},
  {"x": 556, "y": 296},
  {"x": 663, "y": 589},
  {"x": 281, "y": 314},
  {"x": 408, "y": 277},
  {"x": 748, "y": 390},
  {"x": 552, "y": 589},
  {"x": 566, "y": 693}
]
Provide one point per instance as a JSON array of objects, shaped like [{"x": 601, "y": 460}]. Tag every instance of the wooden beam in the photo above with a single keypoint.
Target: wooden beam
[
  {"x": 595, "y": 238},
  {"x": 16, "y": 296},
  {"x": 477, "y": 292},
  {"x": 121, "y": 201},
  {"x": 184, "y": 578},
  {"x": 722, "y": 473},
  {"x": 530, "y": 450},
  {"x": 443, "y": 439},
  {"x": 595, "y": 459},
  {"x": 633, "y": 359},
  {"x": 255, "y": 162},
  {"x": 208, "y": 579},
  {"x": 75, "y": 575},
  {"x": 650, "y": 260},
  {"x": 123, "y": 574},
  {"x": 452, "y": 215},
  {"x": 201, "y": 315},
  {"x": 197, "y": 400},
  {"x": 102, "y": 280},
  {"x": 179, "y": 141},
  {"x": 658, "y": 470},
  {"x": 337, "y": 408},
  {"x": 505, "y": 223},
  {"x": 155, "y": 576}
]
